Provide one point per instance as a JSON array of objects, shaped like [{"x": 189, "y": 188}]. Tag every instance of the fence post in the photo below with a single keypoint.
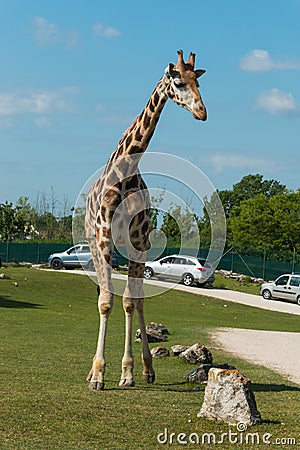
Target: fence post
[
  {"x": 38, "y": 254},
  {"x": 232, "y": 259},
  {"x": 264, "y": 265},
  {"x": 294, "y": 260},
  {"x": 7, "y": 252}
]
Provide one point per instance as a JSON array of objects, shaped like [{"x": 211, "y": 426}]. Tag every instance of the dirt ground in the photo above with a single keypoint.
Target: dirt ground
[{"x": 277, "y": 350}]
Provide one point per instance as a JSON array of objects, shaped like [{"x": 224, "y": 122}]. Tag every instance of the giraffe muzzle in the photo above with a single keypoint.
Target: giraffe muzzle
[{"x": 199, "y": 112}]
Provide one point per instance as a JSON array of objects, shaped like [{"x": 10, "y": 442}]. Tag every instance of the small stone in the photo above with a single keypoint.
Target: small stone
[
  {"x": 2, "y": 276},
  {"x": 197, "y": 354},
  {"x": 160, "y": 352},
  {"x": 156, "y": 332},
  {"x": 229, "y": 397},
  {"x": 200, "y": 374},
  {"x": 159, "y": 327},
  {"x": 152, "y": 336},
  {"x": 177, "y": 349}
]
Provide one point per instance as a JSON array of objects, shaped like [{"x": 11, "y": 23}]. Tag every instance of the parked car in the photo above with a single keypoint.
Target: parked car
[
  {"x": 286, "y": 287},
  {"x": 186, "y": 269},
  {"x": 77, "y": 256}
]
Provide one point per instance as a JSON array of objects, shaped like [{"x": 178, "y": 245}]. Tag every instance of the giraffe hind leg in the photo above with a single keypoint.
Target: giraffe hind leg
[
  {"x": 148, "y": 371},
  {"x": 134, "y": 299},
  {"x": 127, "y": 379}
]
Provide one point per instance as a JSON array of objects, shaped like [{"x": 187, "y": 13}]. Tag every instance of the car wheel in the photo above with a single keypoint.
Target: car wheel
[
  {"x": 148, "y": 273},
  {"x": 298, "y": 300},
  {"x": 56, "y": 264},
  {"x": 91, "y": 266},
  {"x": 266, "y": 294},
  {"x": 188, "y": 279}
]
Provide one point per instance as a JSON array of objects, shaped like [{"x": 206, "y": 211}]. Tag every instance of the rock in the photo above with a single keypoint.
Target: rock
[
  {"x": 152, "y": 336},
  {"x": 229, "y": 397},
  {"x": 160, "y": 352},
  {"x": 197, "y": 354},
  {"x": 156, "y": 332},
  {"x": 200, "y": 374},
  {"x": 2, "y": 276},
  {"x": 177, "y": 349},
  {"x": 159, "y": 327}
]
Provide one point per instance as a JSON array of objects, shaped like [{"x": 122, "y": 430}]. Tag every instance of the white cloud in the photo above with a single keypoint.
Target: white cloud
[
  {"x": 72, "y": 39},
  {"x": 47, "y": 34},
  {"x": 41, "y": 102},
  {"x": 42, "y": 122},
  {"x": 260, "y": 61},
  {"x": 277, "y": 102},
  {"x": 99, "y": 108},
  {"x": 224, "y": 162},
  {"x": 100, "y": 30},
  {"x": 6, "y": 122},
  {"x": 44, "y": 33}
]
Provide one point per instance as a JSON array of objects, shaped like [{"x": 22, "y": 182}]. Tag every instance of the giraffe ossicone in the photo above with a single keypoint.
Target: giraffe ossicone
[{"x": 119, "y": 201}]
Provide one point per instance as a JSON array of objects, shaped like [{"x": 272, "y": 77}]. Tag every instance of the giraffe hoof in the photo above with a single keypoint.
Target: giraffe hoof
[
  {"x": 149, "y": 377},
  {"x": 126, "y": 383},
  {"x": 96, "y": 386}
]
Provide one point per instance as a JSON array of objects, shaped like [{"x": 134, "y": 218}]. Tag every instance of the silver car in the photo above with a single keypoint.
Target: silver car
[
  {"x": 186, "y": 269},
  {"x": 77, "y": 256},
  {"x": 285, "y": 287}
]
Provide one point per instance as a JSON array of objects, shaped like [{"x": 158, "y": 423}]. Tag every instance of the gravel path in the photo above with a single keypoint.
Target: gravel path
[{"x": 277, "y": 350}]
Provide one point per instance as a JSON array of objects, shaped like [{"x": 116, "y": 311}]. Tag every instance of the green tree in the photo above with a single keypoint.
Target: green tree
[
  {"x": 264, "y": 222},
  {"x": 285, "y": 210},
  {"x": 25, "y": 215},
  {"x": 12, "y": 222},
  {"x": 250, "y": 223},
  {"x": 247, "y": 188},
  {"x": 180, "y": 225}
]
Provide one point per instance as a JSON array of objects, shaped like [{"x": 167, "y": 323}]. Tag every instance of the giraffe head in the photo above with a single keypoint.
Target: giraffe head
[{"x": 183, "y": 85}]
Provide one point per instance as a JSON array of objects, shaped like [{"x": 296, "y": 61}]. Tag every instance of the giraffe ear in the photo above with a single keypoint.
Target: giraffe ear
[
  {"x": 199, "y": 72},
  {"x": 171, "y": 72}
]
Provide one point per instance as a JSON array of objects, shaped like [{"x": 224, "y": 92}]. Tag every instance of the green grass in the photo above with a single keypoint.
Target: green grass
[
  {"x": 234, "y": 285},
  {"x": 48, "y": 333}
]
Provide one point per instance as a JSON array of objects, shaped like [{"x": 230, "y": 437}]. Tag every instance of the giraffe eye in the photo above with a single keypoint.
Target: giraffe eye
[{"x": 179, "y": 84}]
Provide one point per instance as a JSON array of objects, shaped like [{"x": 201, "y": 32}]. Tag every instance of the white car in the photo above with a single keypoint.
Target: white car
[
  {"x": 286, "y": 287},
  {"x": 187, "y": 269}
]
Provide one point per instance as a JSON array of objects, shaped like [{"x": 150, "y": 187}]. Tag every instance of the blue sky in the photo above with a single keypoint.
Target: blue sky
[{"x": 74, "y": 75}]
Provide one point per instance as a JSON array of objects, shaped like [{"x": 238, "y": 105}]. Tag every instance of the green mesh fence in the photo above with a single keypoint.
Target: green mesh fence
[
  {"x": 255, "y": 266},
  {"x": 32, "y": 252}
]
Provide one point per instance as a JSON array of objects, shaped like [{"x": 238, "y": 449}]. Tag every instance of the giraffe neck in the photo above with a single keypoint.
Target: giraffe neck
[{"x": 136, "y": 139}]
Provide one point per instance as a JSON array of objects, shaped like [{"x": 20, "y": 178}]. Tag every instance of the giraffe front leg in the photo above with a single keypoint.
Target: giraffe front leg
[
  {"x": 127, "y": 379},
  {"x": 96, "y": 374}
]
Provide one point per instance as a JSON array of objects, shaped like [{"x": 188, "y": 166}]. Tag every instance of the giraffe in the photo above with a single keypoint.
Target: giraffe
[{"x": 118, "y": 205}]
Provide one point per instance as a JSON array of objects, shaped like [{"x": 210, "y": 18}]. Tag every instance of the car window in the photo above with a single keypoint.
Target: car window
[
  {"x": 73, "y": 250},
  {"x": 295, "y": 281},
  {"x": 204, "y": 263},
  {"x": 282, "y": 281},
  {"x": 190, "y": 262},
  {"x": 180, "y": 261},
  {"x": 168, "y": 260},
  {"x": 85, "y": 249}
]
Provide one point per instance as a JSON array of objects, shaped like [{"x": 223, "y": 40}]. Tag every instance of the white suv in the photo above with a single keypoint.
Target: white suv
[
  {"x": 186, "y": 269},
  {"x": 286, "y": 286}
]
